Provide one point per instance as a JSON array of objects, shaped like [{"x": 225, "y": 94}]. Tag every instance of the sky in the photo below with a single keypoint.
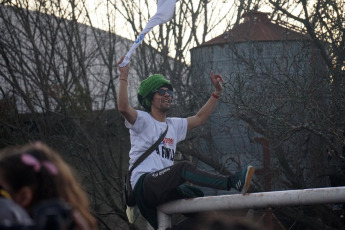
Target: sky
[{"x": 98, "y": 11}]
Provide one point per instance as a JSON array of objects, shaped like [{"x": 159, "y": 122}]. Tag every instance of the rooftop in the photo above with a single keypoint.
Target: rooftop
[{"x": 256, "y": 26}]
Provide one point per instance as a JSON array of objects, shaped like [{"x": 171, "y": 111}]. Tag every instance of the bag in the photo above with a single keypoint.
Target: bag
[{"x": 129, "y": 195}]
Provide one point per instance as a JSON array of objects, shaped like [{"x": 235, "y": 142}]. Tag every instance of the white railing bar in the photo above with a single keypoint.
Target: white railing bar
[{"x": 249, "y": 201}]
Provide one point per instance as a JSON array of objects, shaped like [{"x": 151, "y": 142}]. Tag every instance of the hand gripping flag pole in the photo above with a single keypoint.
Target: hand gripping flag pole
[{"x": 165, "y": 12}]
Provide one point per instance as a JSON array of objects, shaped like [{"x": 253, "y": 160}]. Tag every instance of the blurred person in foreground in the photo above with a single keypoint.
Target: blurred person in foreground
[
  {"x": 38, "y": 179},
  {"x": 11, "y": 214}
]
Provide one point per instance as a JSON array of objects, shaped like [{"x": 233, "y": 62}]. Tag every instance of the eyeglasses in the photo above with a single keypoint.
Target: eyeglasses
[{"x": 162, "y": 92}]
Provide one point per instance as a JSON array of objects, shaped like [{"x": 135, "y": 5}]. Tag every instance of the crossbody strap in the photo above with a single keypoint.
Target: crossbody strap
[{"x": 149, "y": 151}]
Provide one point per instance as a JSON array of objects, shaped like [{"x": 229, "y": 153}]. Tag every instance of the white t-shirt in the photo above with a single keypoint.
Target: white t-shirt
[{"x": 144, "y": 133}]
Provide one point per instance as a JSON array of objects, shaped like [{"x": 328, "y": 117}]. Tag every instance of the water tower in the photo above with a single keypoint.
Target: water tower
[{"x": 263, "y": 63}]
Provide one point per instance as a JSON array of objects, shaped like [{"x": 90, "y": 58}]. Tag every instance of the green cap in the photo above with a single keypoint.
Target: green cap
[{"x": 148, "y": 88}]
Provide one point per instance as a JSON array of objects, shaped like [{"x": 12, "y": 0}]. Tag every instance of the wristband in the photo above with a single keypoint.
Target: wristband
[{"x": 215, "y": 96}]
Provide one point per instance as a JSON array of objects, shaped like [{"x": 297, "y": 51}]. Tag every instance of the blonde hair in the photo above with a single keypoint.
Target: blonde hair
[{"x": 45, "y": 185}]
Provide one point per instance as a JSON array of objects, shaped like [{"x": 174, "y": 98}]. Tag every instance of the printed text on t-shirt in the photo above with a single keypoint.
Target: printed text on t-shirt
[
  {"x": 168, "y": 141},
  {"x": 166, "y": 153}
]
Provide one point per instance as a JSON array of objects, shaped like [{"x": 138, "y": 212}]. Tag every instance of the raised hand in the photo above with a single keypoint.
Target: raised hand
[
  {"x": 124, "y": 71},
  {"x": 217, "y": 81}
]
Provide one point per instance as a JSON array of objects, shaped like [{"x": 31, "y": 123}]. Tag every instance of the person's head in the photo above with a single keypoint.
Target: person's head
[
  {"x": 35, "y": 173},
  {"x": 155, "y": 88},
  {"x": 217, "y": 221}
]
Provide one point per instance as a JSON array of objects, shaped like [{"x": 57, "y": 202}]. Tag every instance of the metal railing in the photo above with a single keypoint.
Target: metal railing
[{"x": 249, "y": 201}]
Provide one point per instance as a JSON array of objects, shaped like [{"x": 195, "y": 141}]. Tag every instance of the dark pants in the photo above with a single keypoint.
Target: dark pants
[{"x": 166, "y": 184}]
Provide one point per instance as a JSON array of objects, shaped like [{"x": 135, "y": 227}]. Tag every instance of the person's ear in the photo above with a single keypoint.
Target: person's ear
[{"x": 23, "y": 197}]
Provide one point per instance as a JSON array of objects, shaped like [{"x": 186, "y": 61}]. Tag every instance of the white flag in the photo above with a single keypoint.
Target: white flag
[{"x": 165, "y": 12}]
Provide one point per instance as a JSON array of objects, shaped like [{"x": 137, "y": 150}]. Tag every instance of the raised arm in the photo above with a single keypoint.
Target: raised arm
[
  {"x": 204, "y": 113},
  {"x": 122, "y": 99}
]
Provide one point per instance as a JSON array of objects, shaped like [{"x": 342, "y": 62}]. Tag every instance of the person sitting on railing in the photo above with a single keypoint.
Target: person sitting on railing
[{"x": 157, "y": 180}]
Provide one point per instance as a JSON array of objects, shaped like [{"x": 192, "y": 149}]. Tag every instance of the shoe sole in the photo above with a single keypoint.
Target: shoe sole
[{"x": 249, "y": 176}]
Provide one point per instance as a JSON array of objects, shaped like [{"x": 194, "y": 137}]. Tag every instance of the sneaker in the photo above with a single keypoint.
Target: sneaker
[{"x": 241, "y": 180}]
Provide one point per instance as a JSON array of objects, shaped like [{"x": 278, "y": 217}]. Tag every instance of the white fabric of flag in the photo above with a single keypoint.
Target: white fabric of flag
[{"x": 165, "y": 12}]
